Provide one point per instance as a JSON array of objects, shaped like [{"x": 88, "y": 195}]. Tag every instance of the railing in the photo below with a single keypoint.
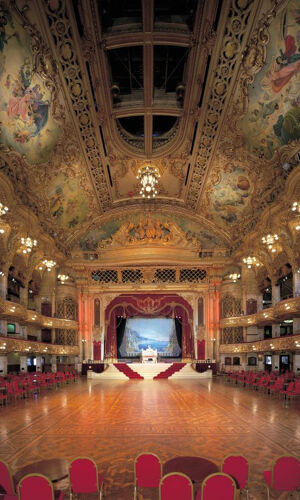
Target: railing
[
  {"x": 19, "y": 313},
  {"x": 8, "y": 344},
  {"x": 282, "y": 310},
  {"x": 288, "y": 342}
]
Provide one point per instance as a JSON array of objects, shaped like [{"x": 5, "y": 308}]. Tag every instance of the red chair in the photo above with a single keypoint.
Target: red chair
[
  {"x": 147, "y": 471},
  {"x": 218, "y": 486},
  {"x": 284, "y": 475},
  {"x": 6, "y": 481},
  {"x": 84, "y": 477},
  {"x": 237, "y": 467},
  {"x": 37, "y": 487},
  {"x": 175, "y": 486}
]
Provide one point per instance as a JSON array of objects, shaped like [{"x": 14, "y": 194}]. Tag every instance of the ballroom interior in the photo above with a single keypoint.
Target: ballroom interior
[{"x": 149, "y": 168}]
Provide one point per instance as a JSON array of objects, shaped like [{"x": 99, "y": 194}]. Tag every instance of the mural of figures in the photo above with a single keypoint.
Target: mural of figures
[
  {"x": 68, "y": 201},
  {"x": 230, "y": 195},
  {"x": 25, "y": 117},
  {"x": 273, "y": 116},
  {"x": 157, "y": 230}
]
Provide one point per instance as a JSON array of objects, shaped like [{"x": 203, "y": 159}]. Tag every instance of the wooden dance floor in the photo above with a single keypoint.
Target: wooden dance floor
[{"x": 113, "y": 421}]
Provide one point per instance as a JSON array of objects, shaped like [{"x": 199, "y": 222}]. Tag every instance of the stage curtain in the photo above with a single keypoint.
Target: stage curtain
[
  {"x": 201, "y": 349},
  {"x": 178, "y": 330},
  {"x": 97, "y": 350},
  {"x": 121, "y": 324}
]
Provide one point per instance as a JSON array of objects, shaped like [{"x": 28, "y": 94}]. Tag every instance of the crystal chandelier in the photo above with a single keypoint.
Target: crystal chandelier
[
  {"x": 234, "y": 277},
  {"x": 28, "y": 244},
  {"x": 270, "y": 241},
  {"x": 251, "y": 261},
  {"x": 296, "y": 208},
  {"x": 63, "y": 278},
  {"x": 3, "y": 209},
  {"x": 148, "y": 177},
  {"x": 49, "y": 264}
]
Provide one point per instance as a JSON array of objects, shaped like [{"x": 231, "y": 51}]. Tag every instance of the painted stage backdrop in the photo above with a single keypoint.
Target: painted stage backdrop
[
  {"x": 157, "y": 333},
  {"x": 273, "y": 116},
  {"x": 26, "y": 124}
]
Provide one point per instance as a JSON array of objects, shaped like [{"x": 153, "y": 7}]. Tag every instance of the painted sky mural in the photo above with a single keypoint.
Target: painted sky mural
[
  {"x": 25, "y": 113},
  {"x": 273, "y": 116}
]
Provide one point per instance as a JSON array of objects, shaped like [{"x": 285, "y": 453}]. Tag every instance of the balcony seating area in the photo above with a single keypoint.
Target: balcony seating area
[
  {"x": 281, "y": 384},
  {"x": 27, "y": 385},
  {"x": 85, "y": 479}
]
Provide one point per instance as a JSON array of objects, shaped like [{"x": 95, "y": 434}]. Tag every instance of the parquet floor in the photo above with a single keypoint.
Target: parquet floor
[{"x": 113, "y": 421}]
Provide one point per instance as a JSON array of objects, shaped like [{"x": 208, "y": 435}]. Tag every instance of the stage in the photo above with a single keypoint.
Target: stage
[{"x": 148, "y": 371}]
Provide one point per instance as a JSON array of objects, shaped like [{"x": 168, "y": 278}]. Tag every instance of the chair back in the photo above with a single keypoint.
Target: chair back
[
  {"x": 218, "y": 486},
  {"x": 6, "y": 478},
  {"x": 286, "y": 474},
  {"x": 147, "y": 469},
  {"x": 84, "y": 475},
  {"x": 237, "y": 466},
  {"x": 35, "y": 487},
  {"x": 175, "y": 486}
]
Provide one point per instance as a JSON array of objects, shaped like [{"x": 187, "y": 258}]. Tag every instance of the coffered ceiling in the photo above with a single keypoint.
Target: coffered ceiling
[{"x": 206, "y": 91}]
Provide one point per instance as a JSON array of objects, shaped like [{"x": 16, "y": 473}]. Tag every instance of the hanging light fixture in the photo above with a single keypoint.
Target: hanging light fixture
[
  {"x": 296, "y": 206},
  {"x": 28, "y": 244},
  {"x": 3, "y": 209},
  {"x": 62, "y": 278},
  {"x": 251, "y": 261},
  {"x": 270, "y": 240},
  {"x": 148, "y": 177},
  {"x": 234, "y": 277},
  {"x": 49, "y": 264}
]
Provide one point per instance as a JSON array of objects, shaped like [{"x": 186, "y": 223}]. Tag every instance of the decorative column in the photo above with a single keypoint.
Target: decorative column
[
  {"x": 24, "y": 295},
  {"x": 23, "y": 364},
  {"x": 296, "y": 293},
  {"x": 38, "y": 363},
  {"x": 3, "y": 366},
  {"x": 3, "y": 286},
  {"x": 275, "y": 300},
  {"x": 54, "y": 365}
]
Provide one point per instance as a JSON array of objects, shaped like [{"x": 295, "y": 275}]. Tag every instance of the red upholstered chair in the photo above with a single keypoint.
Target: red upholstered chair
[
  {"x": 284, "y": 475},
  {"x": 147, "y": 471},
  {"x": 84, "y": 477},
  {"x": 218, "y": 486},
  {"x": 37, "y": 487},
  {"x": 237, "y": 467},
  {"x": 6, "y": 481},
  {"x": 175, "y": 486}
]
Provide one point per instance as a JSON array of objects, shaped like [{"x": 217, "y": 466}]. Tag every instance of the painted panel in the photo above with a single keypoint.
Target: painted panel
[{"x": 68, "y": 201}]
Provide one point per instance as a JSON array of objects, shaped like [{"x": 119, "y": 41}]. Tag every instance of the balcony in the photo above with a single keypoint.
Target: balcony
[
  {"x": 16, "y": 312},
  {"x": 9, "y": 344},
  {"x": 284, "y": 309},
  {"x": 287, "y": 343}
]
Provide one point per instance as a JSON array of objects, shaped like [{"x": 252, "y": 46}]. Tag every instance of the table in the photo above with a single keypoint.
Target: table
[
  {"x": 55, "y": 469},
  {"x": 196, "y": 468}
]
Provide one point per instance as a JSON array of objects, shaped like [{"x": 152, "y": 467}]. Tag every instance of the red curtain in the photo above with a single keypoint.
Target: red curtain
[
  {"x": 201, "y": 349},
  {"x": 147, "y": 306},
  {"x": 97, "y": 350}
]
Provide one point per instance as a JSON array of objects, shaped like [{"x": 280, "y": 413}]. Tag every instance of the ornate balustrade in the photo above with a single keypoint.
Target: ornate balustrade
[
  {"x": 8, "y": 344},
  {"x": 287, "y": 343},
  {"x": 17, "y": 312},
  {"x": 282, "y": 310}
]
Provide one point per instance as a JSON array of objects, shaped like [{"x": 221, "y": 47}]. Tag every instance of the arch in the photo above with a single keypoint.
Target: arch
[{"x": 150, "y": 305}]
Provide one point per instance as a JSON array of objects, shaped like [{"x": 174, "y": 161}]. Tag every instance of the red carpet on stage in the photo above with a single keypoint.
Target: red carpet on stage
[
  {"x": 124, "y": 368},
  {"x": 175, "y": 367}
]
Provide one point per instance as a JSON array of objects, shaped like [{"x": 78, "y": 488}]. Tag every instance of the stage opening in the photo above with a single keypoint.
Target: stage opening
[{"x": 136, "y": 334}]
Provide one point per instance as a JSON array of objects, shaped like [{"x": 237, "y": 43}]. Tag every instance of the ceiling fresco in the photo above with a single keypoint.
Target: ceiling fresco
[
  {"x": 26, "y": 121},
  {"x": 236, "y": 109},
  {"x": 273, "y": 116}
]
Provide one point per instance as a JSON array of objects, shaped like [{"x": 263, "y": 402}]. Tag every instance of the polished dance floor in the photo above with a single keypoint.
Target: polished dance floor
[{"x": 113, "y": 421}]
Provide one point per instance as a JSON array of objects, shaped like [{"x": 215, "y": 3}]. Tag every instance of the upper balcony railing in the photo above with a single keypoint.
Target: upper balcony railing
[
  {"x": 8, "y": 344},
  {"x": 286, "y": 343},
  {"x": 17, "y": 312},
  {"x": 284, "y": 309}
]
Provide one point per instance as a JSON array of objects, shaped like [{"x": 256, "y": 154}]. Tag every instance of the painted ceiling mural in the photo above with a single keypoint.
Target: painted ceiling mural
[
  {"x": 90, "y": 241},
  {"x": 26, "y": 122},
  {"x": 273, "y": 116}
]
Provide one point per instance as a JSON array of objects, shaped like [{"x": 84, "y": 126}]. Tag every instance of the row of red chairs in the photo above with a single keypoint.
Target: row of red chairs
[
  {"x": 85, "y": 479},
  {"x": 25, "y": 385},
  {"x": 281, "y": 384}
]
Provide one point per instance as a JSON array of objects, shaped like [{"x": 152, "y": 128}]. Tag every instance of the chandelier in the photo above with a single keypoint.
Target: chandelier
[
  {"x": 63, "y": 278},
  {"x": 296, "y": 208},
  {"x": 234, "y": 277},
  {"x": 251, "y": 261},
  {"x": 3, "y": 209},
  {"x": 148, "y": 177},
  {"x": 270, "y": 241},
  {"x": 28, "y": 244},
  {"x": 49, "y": 264}
]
